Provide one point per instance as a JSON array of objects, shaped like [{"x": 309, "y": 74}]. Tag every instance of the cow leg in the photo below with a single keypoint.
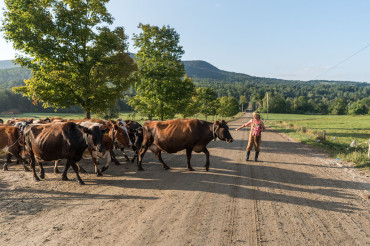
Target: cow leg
[
  {"x": 113, "y": 156},
  {"x": 75, "y": 168},
  {"x": 188, "y": 157},
  {"x": 21, "y": 160},
  {"x": 9, "y": 158},
  {"x": 35, "y": 177},
  {"x": 133, "y": 158},
  {"x": 107, "y": 164},
  {"x": 140, "y": 158},
  {"x": 136, "y": 152},
  {"x": 66, "y": 167},
  {"x": 125, "y": 155},
  {"x": 205, "y": 150},
  {"x": 80, "y": 169},
  {"x": 8, "y": 161},
  {"x": 159, "y": 157},
  {"x": 56, "y": 170},
  {"x": 96, "y": 163},
  {"x": 42, "y": 171}
]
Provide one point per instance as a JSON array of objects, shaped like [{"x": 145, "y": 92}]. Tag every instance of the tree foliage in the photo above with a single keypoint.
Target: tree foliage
[
  {"x": 162, "y": 89},
  {"x": 228, "y": 106},
  {"x": 74, "y": 59}
]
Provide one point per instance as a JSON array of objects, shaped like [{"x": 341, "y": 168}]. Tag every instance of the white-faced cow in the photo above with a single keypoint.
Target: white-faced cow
[
  {"x": 135, "y": 132},
  {"x": 57, "y": 141},
  {"x": 175, "y": 135}
]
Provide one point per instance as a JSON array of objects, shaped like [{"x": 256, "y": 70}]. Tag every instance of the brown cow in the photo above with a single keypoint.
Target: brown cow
[
  {"x": 175, "y": 135},
  {"x": 116, "y": 136},
  {"x": 57, "y": 141},
  {"x": 10, "y": 143}
]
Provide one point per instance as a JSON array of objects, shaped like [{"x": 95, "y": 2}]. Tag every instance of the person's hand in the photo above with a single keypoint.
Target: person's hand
[{"x": 236, "y": 129}]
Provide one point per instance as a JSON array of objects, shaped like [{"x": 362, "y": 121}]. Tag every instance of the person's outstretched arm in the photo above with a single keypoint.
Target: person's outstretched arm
[{"x": 245, "y": 125}]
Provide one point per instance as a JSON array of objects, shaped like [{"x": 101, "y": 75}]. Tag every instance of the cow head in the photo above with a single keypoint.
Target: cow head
[
  {"x": 221, "y": 130},
  {"x": 138, "y": 138},
  {"x": 94, "y": 138},
  {"x": 22, "y": 124},
  {"x": 120, "y": 136}
]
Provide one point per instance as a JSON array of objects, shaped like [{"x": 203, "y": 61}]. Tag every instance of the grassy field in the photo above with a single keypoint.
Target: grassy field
[{"x": 340, "y": 130}]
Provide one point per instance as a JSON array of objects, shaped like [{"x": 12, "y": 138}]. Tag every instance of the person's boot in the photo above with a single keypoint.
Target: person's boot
[
  {"x": 256, "y": 156},
  {"x": 247, "y": 157}
]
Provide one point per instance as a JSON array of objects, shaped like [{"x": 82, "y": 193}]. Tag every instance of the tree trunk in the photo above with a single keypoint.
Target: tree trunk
[{"x": 88, "y": 114}]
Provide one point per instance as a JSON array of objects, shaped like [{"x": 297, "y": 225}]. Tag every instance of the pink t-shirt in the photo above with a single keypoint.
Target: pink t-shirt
[{"x": 257, "y": 127}]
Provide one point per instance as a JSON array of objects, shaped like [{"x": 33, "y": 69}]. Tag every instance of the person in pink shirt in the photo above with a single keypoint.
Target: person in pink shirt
[{"x": 257, "y": 127}]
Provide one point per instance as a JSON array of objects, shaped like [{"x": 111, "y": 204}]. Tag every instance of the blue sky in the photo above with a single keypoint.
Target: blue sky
[{"x": 287, "y": 39}]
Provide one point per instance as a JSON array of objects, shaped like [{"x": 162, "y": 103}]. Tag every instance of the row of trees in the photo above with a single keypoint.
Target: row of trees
[
  {"x": 77, "y": 61},
  {"x": 302, "y": 105}
]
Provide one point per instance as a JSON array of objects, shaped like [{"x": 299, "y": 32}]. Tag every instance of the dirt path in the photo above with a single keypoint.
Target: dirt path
[{"x": 293, "y": 196}]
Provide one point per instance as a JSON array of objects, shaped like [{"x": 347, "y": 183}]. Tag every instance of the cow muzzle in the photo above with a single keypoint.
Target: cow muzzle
[{"x": 230, "y": 140}]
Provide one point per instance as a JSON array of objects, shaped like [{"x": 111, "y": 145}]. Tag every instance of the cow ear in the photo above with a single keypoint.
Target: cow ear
[{"x": 217, "y": 123}]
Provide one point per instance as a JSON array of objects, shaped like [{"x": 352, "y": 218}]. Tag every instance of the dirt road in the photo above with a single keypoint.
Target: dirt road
[{"x": 293, "y": 196}]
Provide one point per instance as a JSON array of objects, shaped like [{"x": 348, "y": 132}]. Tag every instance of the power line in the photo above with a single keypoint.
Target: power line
[{"x": 343, "y": 61}]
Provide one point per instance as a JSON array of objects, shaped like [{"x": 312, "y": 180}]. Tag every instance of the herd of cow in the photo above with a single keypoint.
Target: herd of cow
[{"x": 36, "y": 141}]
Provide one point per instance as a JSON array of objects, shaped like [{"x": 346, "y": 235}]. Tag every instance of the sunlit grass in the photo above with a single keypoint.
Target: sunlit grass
[{"x": 341, "y": 130}]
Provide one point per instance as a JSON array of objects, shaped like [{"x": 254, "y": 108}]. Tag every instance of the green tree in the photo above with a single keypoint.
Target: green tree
[
  {"x": 228, "y": 106},
  {"x": 338, "y": 106},
  {"x": 243, "y": 102},
  {"x": 206, "y": 98},
  {"x": 162, "y": 89},
  {"x": 74, "y": 59},
  {"x": 277, "y": 104},
  {"x": 358, "y": 107}
]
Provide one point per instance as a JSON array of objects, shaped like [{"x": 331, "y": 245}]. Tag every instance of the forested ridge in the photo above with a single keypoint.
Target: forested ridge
[{"x": 286, "y": 96}]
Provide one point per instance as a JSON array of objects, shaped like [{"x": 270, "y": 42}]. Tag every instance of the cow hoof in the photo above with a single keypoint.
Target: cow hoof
[
  {"x": 167, "y": 168},
  {"x": 42, "y": 176},
  {"x": 80, "y": 182},
  {"x": 190, "y": 169},
  {"x": 141, "y": 169},
  {"x": 117, "y": 163},
  {"x": 99, "y": 174},
  {"x": 65, "y": 178},
  {"x": 56, "y": 171},
  {"x": 26, "y": 169},
  {"x": 36, "y": 179},
  {"x": 5, "y": 169}
]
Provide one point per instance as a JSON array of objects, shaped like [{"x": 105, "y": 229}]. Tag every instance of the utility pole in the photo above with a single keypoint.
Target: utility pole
[{"x": 267, "y": 116}]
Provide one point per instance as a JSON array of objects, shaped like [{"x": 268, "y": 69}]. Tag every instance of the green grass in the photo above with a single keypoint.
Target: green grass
[{"x": 341, "y": 130}]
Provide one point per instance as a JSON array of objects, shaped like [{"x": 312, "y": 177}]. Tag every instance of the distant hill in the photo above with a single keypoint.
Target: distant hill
[
  {"x": 202, "y": 73},
  {"x": 205, "y": 70},
  {"x": 7, "y": 64}
]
